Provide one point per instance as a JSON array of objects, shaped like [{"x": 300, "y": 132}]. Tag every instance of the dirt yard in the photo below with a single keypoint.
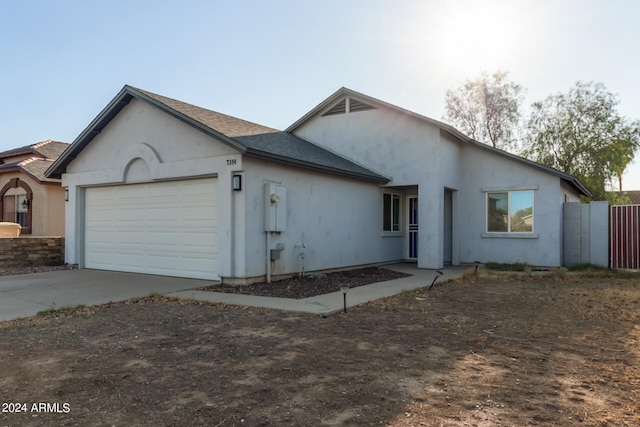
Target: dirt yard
[{"x": 487, "y": 351}]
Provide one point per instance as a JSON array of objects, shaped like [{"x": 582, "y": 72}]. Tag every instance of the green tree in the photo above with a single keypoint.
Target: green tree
[
  {"x": 486, "y": 109},
  {"x": 581, "y": 132}
]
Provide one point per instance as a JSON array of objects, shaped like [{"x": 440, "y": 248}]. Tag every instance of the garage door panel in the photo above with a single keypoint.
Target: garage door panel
[
  {"x": 133, "y": 239},
  {"x": 167, "y": 228},
  {"x": 101, "y": 237},
  {"x": 101, "y": 258},
  {"x": 130, "y": 214},
  {"x": 105, "y": 216},
  {"x": 163, "y": 239},
  {"x": 198, "y": 239}
]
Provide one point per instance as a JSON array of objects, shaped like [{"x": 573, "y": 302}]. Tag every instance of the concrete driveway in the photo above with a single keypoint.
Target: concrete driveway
[{"x": 25, "y": 295}]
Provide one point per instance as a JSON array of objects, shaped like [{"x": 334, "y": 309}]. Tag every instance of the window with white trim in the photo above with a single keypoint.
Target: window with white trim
[
  {"x": 391, "y": 212},
  {"x": 510, "y": 212}
]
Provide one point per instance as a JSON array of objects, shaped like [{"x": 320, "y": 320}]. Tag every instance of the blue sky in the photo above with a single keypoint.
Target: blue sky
[{"x": 272, "y": 61}]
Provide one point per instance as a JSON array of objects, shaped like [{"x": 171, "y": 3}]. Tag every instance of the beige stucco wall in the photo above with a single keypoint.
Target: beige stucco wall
[
  {"x": 54, "y": 215},
  {"x": 47, "y": 205}
]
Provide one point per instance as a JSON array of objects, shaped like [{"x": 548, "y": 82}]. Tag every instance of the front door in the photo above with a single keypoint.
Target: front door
[
  {"x": 412, "y": 228},
  {"x": 448, "y": 227}
]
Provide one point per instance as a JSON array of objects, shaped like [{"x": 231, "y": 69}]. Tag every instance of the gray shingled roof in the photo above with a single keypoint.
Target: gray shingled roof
[
  {"x": 226, "y": 125},
  {"x": 246, "y": 137},
  {"x": 283, "y": 145}
]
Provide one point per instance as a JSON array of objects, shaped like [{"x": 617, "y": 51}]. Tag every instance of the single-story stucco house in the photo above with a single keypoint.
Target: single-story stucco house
[
  {"x": 27, "y": 196},
  {"x": 164, "y": 187}
]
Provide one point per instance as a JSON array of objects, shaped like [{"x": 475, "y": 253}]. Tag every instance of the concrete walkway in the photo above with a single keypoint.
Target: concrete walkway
[
  {"x": 333, "y": 302},
  {"x": 26, "y": 295}
]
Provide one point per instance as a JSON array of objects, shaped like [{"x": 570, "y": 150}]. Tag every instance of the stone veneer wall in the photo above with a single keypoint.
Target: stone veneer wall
[{"x": 31, "y": 250}]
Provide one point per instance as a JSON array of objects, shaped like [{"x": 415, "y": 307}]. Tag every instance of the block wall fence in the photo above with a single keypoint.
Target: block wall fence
[{"x": 31, "y": 250}]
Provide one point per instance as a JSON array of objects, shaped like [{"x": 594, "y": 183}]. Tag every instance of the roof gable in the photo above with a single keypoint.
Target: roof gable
[
  {"x": 244, "y": 136},
  {"x": 344, "y": 93},
  {"x": 347, "y": 105}
]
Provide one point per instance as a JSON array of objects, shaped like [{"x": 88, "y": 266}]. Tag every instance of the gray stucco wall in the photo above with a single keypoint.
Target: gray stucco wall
[
  {"x": 414, "y": 152},
  {"x": 338, "y": 220},
  {"x": 484, "y": 171},
  {"x": 409, "y": 151}
]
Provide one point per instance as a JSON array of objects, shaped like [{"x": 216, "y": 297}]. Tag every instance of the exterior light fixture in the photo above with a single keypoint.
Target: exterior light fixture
[
  {"x": 25, "y": 203},
  {"x": 344, "y": 287},
  {"x": 66, "y": 194},
  {"x": 237, "y": 182}
]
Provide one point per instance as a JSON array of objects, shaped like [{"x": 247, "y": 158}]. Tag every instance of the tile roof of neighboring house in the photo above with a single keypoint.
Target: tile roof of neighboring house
[
  {"x": 46, "y": 149},
  {"x": 248, "y": 138},
  {"x": 345, "y": 92},
  {"x": 633, "y": 195},
  {"x": 41, "y": 156}
]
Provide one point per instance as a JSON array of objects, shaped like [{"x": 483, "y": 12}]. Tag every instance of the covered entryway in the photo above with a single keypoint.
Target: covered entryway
[{"x": 165, "y": 228}]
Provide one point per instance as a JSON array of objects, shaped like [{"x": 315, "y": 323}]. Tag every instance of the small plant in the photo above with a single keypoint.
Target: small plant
[
  {"x": 64, "y": 309},
  {"x": 561, "y": 273}
]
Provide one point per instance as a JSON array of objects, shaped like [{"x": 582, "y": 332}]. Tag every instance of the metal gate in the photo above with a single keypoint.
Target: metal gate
[{"x": 624, "y": 236}]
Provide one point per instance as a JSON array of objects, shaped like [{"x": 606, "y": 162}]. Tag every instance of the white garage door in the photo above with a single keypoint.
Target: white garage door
[{"x": 165, "y": 228}]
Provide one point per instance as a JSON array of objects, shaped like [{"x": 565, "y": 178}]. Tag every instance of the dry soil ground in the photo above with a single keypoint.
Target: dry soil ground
[{"x": 487, "y": 351}]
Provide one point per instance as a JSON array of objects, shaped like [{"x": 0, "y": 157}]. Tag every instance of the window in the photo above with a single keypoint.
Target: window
[
  {"x": 16, "y": 204},
  {"x": 510, "y": 212},
  {"x": 15, "y": 209},
  {"x": 391, "y": 213}
]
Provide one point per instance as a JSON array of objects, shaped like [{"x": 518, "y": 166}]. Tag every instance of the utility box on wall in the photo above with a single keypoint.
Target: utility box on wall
[{"x": 275, "y": 211}]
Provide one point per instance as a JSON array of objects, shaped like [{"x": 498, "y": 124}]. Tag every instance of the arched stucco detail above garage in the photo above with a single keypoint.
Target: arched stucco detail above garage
[{"x": 140, "y": 163}]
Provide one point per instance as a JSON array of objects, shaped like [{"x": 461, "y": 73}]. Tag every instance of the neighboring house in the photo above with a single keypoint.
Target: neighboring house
[
  {"x": 164, "y": 187},
  {"x": 634, "y": 196},
  {"x": 27, "y": 196}
]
